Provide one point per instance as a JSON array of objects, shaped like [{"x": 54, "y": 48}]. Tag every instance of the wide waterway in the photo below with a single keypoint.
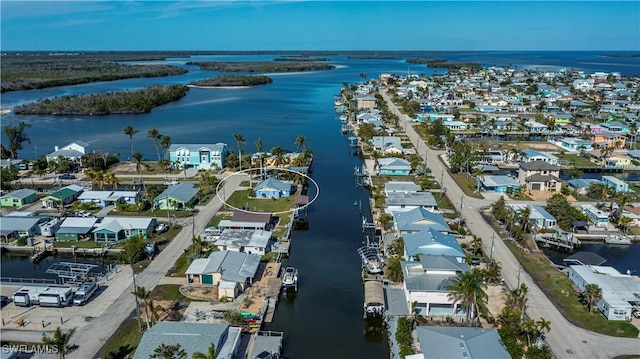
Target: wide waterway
[{"x": 324, "y": 319}]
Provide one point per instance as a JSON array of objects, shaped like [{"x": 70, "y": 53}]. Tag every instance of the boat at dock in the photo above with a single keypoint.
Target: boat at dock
[
  {"x": 371, "y": 259},
  {"x": 38, "y": 256},
  {"x": 290, "y": 278},
  {"x": 617, "y": 239}
]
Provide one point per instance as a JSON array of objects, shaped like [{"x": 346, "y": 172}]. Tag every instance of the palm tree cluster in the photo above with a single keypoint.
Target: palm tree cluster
[
  {"x": 516, "y": 223},
  {"x": 60, "y": 342},
  {"x": 468, "y": 289}
]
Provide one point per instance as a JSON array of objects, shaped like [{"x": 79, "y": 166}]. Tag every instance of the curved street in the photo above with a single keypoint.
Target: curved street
[{"x": 565, "y": 339}]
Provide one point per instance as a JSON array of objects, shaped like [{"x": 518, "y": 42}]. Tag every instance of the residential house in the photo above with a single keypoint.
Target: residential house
[
  {"x": 248, "y": 220},
  {"x": 581, "y": 185},
  {"x": 459, "y": 343},
  {"x": 366, "y": 102},
  {"x": 394, "y": 166},
  {"x": 192, "y": 338},
  {"x": 272, "y": 188},
  {"x": 616, "y": 183},
  {"x": 17, "y": 227},
  {"x": 530, "y": 155},
  {"x": 455, "y": 125},
  {"x": 178, "y": 197},
  {"x": 425, "y": 285},
  {"x": 368, "y": 117},
  {"x": 617, "y": 160},
  {"x": 109, "y": 198},
  {"x": 244, "y": 240},
  {"x": 388, "y": 145},
  {"x": 62, "y": 197},
  {"x": 615, "y": 126},
  {"x": 497, "y": 183},
  {"x": 608, "y": 139},
  {"x": 76, "y": 228},
  {"x": 115, "y": 229},
  {"x": 633, "y": 213},
  {"x": 418, "y": 219},
  {"x": 400, "y": 186},
  {"x": 224, "y": 266},
  {"x": 49, "y": 228},
  {"x": 19, "y": 198},
  {"x": 431, "y": 242},
  {"x": 538, "y": 217},
  {"x": 618, "y": 290},
  {"x": 560, "y": 118},
  {"x": 199, "y": 156},
  {"x": 402, "y": 202},
  {"x": 575, "y": 144},
  {"x": 539, "y": 176},
  {"x": 535, "y": 127},
  {"x": 73, "y": 151}
]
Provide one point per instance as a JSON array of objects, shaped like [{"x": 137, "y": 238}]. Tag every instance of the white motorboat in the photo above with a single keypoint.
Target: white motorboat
[{"x": 290, "y": 278}]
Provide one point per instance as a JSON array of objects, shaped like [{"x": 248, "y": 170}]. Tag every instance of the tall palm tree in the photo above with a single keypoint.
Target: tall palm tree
[
  {"x": 165, "y": 143},
  {"x": 155, "y": 135},
  {"x": 60, "y": 341},
  {"x": 239, "y": 141},
  {"x": 524, "y": 217},
  {"x": 469, "y": 290},
  {"x": 143, "y": 295},
  {"x": 593, "y": 294},
  {"x": 279, "y": 154},
  {"x": 517, "y": 298},
  {"x": 137, "y": 158},
  {"x": 301, "y": 142},
  {"x": 130, "y": 131},
  {"x": 260, "y": 156},
  {"x": 544, "y": 326},
  {"x": 111, "y": 179}
]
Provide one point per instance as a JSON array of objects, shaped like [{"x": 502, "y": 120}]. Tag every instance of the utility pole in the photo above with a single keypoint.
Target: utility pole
[
  {"x": 493, "y": 237},
  {"x": 461, "y": 204},
  {"x": 519, "y": 271}
]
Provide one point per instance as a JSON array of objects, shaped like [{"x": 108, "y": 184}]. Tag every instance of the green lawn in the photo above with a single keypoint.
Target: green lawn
[
  {"x": 123, "y": 342},
  {"x": 181, "y": 265},
  {"x": 467, "y": 184},
  {"x": 558, "y": 289},
  {"x": 215, "y": 220},
  {"x": 78, "y": 244},
  {"x": 167, "y": 292},
  {"x": 579, "y": 161},
  {"x": 241, "y": 199}
]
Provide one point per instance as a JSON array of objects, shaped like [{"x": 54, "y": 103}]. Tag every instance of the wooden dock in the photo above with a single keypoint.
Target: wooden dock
[{"x": 557, "y": 240}]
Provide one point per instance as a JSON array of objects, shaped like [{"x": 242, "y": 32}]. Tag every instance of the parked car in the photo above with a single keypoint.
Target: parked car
[
  {"x": 161, "y": 228},
  {"x": 85, "y": 214},
  {"x": 4, "y": 300},
  {"x": 67, "y": 176},
  {"x": 475, "y": 261}
]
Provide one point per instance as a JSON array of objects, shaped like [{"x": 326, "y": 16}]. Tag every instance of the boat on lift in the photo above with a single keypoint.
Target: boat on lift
[{"x": 290, "y": 278}]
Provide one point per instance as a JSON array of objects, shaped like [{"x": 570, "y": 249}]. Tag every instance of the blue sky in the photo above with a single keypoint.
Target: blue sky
[{"x": 319, "y": 25}]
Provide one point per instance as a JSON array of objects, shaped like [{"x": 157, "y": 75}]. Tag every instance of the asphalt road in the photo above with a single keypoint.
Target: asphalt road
[{"x": 565, "y": 339}]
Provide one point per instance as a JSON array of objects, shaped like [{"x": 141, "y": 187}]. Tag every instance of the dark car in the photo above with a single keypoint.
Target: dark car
[
  {"x": 475, "y": 261},
  {"x": 4, "y": 300},
  {"x": 66, "y": 176}
]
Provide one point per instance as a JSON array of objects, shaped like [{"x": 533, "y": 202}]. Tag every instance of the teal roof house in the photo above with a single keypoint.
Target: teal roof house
[
  {"x": 199, "y": 156},
  {"x": 178, "y": 197},
  {"x": 394, "y": 166},
  {"x": 431, "y": 242},
  {"x": 19, "y": 198}
]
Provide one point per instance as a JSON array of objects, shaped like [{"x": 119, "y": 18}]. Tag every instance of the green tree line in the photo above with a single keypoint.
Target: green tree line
[
  {"x": 231, "y": 80},
  {"x": 445, "y": 64},
  {"x": 261, "y": 66},
  {"x": 115, "y": 102}
]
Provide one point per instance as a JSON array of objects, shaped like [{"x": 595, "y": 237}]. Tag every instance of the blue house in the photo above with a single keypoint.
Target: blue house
[
  {"x": 272, "y": 188},
  {"x": 115, "y": 229},
  {"x": 575, "y": 144},
  {"x": 394, "y": 166},
  {"x": 199, "y": 156},
  {"x": 616, "y": 183},
  {"x": 419, "y": 219},
  {"x": 431, "y": 242},
  {"x": 178, "y": 197},
  {"x": 499, "y": 184}
]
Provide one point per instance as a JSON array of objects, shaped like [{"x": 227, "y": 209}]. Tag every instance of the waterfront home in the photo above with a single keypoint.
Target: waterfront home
[
  {"x": 177, "y": 197},
  {"x": 109, "y": 198},
  {"x": 368, "y": 117},
  {"x": 192, "y": 338},
  {"x": 455, "y": 125},
  {"x": 115, "y": 229},
  {"x": 608, "y": 139},
  {"x": 581, "y": 185},
  {"x": 618, "y": 290},
  {"x": 394, "y": 166},
  {"x": 73, "y": 151},
  {"x": 198, "y": 156},
  {"x": 615, "y": 126},
  {"x": 224, "y": 266},
  {"x": 633, "y": 213},
  {"x": 575, "y": 144},
  {"x": 15, "y": 163},
  {"x": 440, "y": 116},
  {"x": 244, "y": 240},
  {"x": 365, "y": 102},
  {"x": 538, "y": 217},
  {"x": 559, "y": 118},
  {"x": 616, "y": 160},
  {"x": 431, "y": 242},
  {"x": 539, "y": 176},
  {"x": 19, "y": 198},
  {"x": 493, "y": 157},
  {"x": 388, "y": 145},
  {"x": 530, "y": 155},
  {"x": 246, "y": 220},
  {"x": 17, "y": 227},
  {"x": 616, "y": 183},
  {"x": 272, "y": 188},
  {"x": 49, "y": 228},
  {"x": 76, "y": 228},
  {"x": 459, "y": 342},
  {"x": 62, "y": 197},
  {"x": 497, "y": 183},
  {"x": 402, "y": 202},
  {"x": 418, "y": 219},
  {"x": 425, "y": 285},
  {"x": 535, "y": 127},
  {"x": 597, "y": 217},
  {"x": 400, "y": 186}
]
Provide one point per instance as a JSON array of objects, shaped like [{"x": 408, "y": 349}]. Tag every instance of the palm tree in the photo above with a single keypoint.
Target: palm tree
[
  {"x": 165, "y": 143},
  {"x": 130, "y": 131},
  {"x": 544, "y": 326},
  {"x": 137, "y": 158},
  {"x": 260, "y": 155},
  {"x": 301, "y": 142},
  {"x": 143, "y": 295},
  {"x": 517, "y": 298},
  {"x": 155, "y": 135},
  {"x": 239, "y": 141},
  {"x": 279, "y": 154},
  {"x": 476, "y": 245},
  {"x": 60, "y": 341},
  {"x": 111, "y": 179},
  {"x": 524, "y": 217},
  {"x": 211, "y": 353},
  {"x": 593, "y": 294},
  {"x": 469, "y": 290}
]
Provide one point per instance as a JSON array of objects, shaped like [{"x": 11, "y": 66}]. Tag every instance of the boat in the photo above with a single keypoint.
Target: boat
[
  {"x": 150, "y": 249},
  {"x": 616, "y": 239},
  {"x": 290, "y": 278},
  {"x": 343, "y": 118},
  {"x": 371, "y": 259}
]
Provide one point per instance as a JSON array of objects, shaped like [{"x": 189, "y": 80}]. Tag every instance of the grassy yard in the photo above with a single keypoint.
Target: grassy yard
[
  {"x": 79, "y": 244},
  {"x": 579, "y": 161},
  {"x": 558, "y": 289},
  {"x": 123, "y": 342},
  {"x": 215, "y": 220},
  {"x": 181, "y": 265},
  {"x": 467, "y": 184},
  {"x": 241, "y": 199},
  {"x": 167, "y": 292},
  {"x": 158, "y": 213}
]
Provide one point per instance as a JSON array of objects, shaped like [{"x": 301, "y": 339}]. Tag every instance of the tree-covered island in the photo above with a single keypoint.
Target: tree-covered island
[
  {"x": 231, "y": 80},
  {"x": 445, "y": 64},
  {"x": 116, "y": 102},
  {"x": 261, "y": 66}
]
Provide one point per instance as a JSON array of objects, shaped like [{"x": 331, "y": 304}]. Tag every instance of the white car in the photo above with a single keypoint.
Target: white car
[{"x": 161, "y": 228}]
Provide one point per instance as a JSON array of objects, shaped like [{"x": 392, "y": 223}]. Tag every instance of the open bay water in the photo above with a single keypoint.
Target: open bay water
[{"x": 324, "y": 319}]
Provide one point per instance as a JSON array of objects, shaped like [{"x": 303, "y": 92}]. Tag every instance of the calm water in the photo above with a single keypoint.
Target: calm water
[
  {"x": 329, "y": 301},
  {"x": 622, "y": 258}
]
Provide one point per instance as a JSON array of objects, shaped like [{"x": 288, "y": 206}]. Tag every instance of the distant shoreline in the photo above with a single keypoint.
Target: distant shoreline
[{"x": 219, "y": 87}]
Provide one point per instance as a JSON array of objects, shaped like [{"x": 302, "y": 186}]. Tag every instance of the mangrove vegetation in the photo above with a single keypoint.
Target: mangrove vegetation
[
  {"x": 231, "y": 80},
  {"x": 445, "y": 64},
  {"x": 261, "y": 66}
]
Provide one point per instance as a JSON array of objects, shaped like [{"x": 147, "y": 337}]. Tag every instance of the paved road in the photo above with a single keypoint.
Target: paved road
[{"x": 565, "y": 339}]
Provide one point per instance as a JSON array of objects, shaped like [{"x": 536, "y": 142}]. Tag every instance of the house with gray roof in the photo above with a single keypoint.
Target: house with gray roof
[
  {"x": 418, "y": 219},
  {"x": 115, "y": 229},
  {"x": 272, "y": 188},
  {"x": 388, "y": 145},
  {"x": 581, "y": 185},
  {"x": 17, "y": 227},
  {"x": 497, "y": 183},
  {"x": 530, "y": 155},
  {"x": 177, "y": 197},
  {"x": 430, "y": 241},
  {"x": 539, "y": 176},
  {"x": 108, "y": 198},
  {"x": 199, "y": 156},
  {"x": 73, "y": 151},
  {"x": 19, "y": 198},
  {"x": 76, "y": 228},
  {"x": 460, "y": 343},
  {"x": 400, "y": 186},
  {"x": 394, "y": 166},
  {"x": 402, "y": 202},
  {"x": 538, "y": 217},
  {"x": 192, "y": 338},
  {"x": 244, "y": 240},
  {"x": 224, "y": 266}
]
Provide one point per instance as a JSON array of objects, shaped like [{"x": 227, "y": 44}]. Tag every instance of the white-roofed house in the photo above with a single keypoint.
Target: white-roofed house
[
  {"x": 394, "y": 166},
  {"x": 108, "y": 198},
  {"x": 114, "y": 229},
  {"x": 538, "y": 217},
  {"x": 388, "y": 145},
  {"x": 459, "y": 343},
  {"x": 400, "y": 186},
  {"x": 73, "y": 151},
  {"x": 244, "y": 240},
  {"x": 76, "y": 228}
]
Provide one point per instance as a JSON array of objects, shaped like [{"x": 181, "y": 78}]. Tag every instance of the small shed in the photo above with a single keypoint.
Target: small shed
[{"x": 230, "y": 290}]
